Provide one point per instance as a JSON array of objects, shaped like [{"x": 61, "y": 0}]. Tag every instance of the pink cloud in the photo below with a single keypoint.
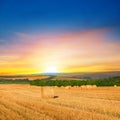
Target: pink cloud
[{"x": 68, "y": 49}]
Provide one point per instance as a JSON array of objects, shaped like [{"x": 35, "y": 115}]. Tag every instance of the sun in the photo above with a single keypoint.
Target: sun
[{"x": 51, "y": 69}]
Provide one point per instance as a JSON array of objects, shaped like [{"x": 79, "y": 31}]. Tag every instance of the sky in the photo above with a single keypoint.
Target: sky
[{"x": 39, "y": 36}]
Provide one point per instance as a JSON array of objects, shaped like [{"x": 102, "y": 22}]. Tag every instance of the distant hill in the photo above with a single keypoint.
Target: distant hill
[
  {"x": 84, "y": 75},
  {"x": 65, "y": 76},
  {"x": 96, "y": 75}
]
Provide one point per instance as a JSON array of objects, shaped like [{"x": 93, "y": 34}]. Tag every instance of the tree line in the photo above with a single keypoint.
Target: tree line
[{"x": 99, "y": 82}]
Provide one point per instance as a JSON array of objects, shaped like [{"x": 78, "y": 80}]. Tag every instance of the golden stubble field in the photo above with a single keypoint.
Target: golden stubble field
[
  {"x": 24, "y": 102},
  {"x": 26, "y": 77}
]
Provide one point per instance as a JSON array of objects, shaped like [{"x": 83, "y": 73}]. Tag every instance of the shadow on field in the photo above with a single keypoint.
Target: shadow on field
[{"x": 55, "y": 96}]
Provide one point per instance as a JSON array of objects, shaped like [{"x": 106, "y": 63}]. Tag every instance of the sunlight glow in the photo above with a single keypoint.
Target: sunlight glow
[{"x": 51, "y": 69}]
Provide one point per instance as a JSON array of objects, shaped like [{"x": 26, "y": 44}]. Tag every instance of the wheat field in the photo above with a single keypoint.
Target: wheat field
[
  {"x": 26, "y": 77},
  {"x": 23, "y": 102}
]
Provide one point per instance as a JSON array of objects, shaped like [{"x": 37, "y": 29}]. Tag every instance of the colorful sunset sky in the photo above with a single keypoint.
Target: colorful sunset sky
[{"x": 37, "y": 36}]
